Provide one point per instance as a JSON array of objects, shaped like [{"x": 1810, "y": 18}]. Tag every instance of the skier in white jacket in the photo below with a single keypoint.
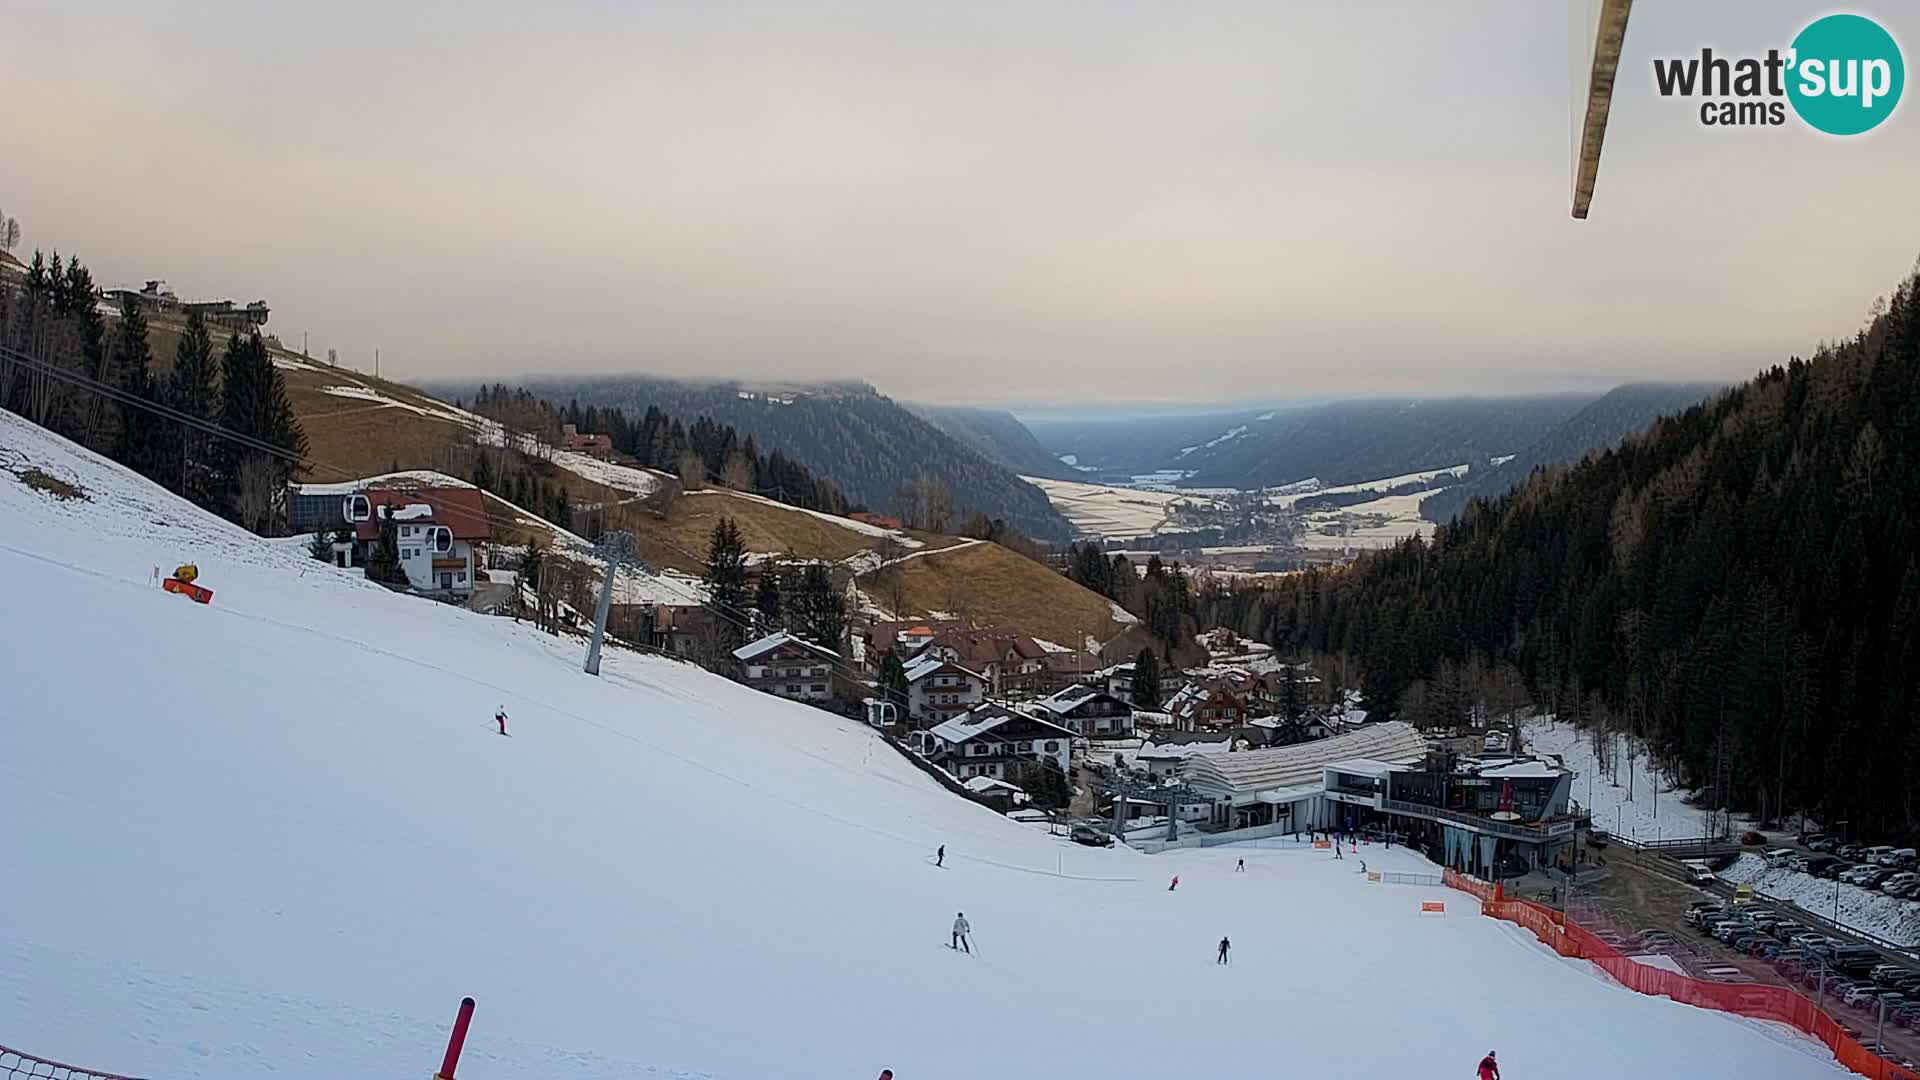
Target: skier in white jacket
[{"x": 960, "y": 929}]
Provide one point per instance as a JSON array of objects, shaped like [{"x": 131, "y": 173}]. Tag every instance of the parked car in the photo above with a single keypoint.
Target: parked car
[
  {"x": 1848, "y": 851},
  {"x": 1753, "y": 839},
  {"x": 1905, "y": 856},
  {"x": 1875, "y": 853},
  {"x": 1821, "y": 843},
  {"x": 1091, "y": 835}
]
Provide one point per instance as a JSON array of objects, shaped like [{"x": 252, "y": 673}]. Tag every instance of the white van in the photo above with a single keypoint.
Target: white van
[
  {"x": 1779, "y": 857},
  {"x": 1698, "y": 871},
  {"x": 1877, "y": 854}
]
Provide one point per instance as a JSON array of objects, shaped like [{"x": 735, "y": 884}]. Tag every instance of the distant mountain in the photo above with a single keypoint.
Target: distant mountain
[
  {"x": 1109, "y": 449},
  {"x": 866, "y": 443},
  {"x": 1618, "y": 413},
  {"x": 1000, "y": 437}
]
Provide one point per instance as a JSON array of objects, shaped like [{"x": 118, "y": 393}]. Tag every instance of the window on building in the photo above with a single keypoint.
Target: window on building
[
  {"x": 1053, "y": 747},
  {"x": 819, "y": 688},
  {"x": 793, "y": 688}
]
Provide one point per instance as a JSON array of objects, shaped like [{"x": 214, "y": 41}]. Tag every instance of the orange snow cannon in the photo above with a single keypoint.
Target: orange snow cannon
[{"x": 182, "y": 582}]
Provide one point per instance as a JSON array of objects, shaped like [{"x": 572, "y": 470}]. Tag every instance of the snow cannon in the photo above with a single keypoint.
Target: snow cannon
[{"x": 183, "y": 582}]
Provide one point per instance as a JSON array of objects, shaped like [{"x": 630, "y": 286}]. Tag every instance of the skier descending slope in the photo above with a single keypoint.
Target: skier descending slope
[
  {"x": 940, "y": 857},
  {"x": 1224, "y": 946},
  {"x": 1489, "y": 1068},
  {"x": 500, "y": 717},
  {"x": 960, "y": 931}
]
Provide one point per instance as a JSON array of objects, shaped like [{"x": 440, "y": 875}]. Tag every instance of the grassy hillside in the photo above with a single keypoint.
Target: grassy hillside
[
  {"x": 397, "y": 426},
  {"x": 992, "y": 586}
]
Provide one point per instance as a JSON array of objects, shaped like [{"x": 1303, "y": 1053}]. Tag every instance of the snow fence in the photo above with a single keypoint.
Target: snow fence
[{"x": 1776, "y": 1003}]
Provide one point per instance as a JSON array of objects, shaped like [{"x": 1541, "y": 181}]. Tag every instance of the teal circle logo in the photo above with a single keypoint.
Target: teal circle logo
[{"x": 1846, "y": 74}]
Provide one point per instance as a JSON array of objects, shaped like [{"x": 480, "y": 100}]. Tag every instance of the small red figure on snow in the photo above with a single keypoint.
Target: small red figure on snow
[
  {"x": 886, "y": 1074},
  {"x": 1174, "y": 884},
  {"x": 500, "y": 717},
  {"x": 1489, "y": 1068}
]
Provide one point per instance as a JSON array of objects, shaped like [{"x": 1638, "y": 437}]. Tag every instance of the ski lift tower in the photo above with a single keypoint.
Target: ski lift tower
[
  {"x": 1125, "y": 786},
  {"x": 617, "y": 549}
]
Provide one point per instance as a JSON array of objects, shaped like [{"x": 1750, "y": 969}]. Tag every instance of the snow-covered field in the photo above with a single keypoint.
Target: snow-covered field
[
  {"x": 1100, "y": 510},
  {"x": 278, "y": 835},
  {"x": 1889, "y": 917},
  {"x": 1627, "y": 809}
]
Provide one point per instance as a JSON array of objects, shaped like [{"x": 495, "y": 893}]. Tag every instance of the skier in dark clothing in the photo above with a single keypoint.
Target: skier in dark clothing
[
  {"x": 1224, "y": 946},
  {"x": 1489, "y": 1068},
  {"x": 500, "y": 717},
  {"x": 1240, "y": 867},
  {"x": 1174, "y": 884},
  {"x": 940, "y": 857}
]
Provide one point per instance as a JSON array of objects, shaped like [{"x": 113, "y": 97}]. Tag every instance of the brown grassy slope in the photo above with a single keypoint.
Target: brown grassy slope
[
  {"x": 982, "y": 582},
  {"x": 992, "y": 586}
]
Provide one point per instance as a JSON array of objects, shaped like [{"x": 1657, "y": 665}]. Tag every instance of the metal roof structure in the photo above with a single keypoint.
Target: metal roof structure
[{"x": 1243, "y": 775}]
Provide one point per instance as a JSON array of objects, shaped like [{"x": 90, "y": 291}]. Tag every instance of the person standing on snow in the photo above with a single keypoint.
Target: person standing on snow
[
  {"x": 1174, "y": 884},
  {"x": 940, "y": 857},
  {"x": 960, "y": 931},
  {"x": 1489, "y": 1068},
  {"x": 500, "y": 717},
  {"x": 1224, "y": 946},
  {"x": 1240, "y": 867}
]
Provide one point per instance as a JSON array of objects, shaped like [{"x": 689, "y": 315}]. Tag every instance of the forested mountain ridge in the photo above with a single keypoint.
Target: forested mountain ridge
[
  {"x": 871, "y": 447},
  {"x": 1000, "y": 437},
  {"x": 1739, "y": 584},
  {"x": 1618, "y": 413},
  {"x": 1365, "y": 439}
]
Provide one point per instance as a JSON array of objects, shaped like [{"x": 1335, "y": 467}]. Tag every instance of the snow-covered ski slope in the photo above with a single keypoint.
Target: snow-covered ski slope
[{"x": 278, "y": 836}]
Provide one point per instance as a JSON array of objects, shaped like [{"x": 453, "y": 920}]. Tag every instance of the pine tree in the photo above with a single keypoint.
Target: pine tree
[
  {"x": 137, "y": 443},
  {"x": 254, "y": 403},
  {"x": 1146, "y": 680},
  {"x": 383, "y": 562},
  {"x": 824, "y": 610},
  {"x": 192, "y": 389},
  {"x": 766, "y": 601},
  {"x": 726, "y": 581}
]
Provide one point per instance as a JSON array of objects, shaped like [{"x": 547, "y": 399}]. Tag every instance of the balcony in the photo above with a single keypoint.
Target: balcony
[{"x": 1562, "y": 825}]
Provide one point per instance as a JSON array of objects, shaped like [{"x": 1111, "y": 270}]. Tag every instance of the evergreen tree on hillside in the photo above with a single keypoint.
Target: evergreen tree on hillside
[
  {"x": 253, "y": 403},
  {"x": 139, "y": 441},
  {"x": 823, "y": 614},
  {"x": 383, "y": 562},
  {"x": 192, "y": 388},
  {"x": 726, "y": 581},
  {"x": 766, "y": 601},
  {"x": 1146, "y": 680}
]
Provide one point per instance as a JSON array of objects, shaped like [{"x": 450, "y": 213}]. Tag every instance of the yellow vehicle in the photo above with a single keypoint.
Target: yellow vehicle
[{"x": 1743, "y": 894}]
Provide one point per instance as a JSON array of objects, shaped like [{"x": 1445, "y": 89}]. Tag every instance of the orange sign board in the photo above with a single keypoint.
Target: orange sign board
[{"x": 1437, "y": 907}]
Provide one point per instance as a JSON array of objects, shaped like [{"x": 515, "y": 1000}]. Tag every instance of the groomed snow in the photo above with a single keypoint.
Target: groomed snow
[{"x": 278, "y": 835}]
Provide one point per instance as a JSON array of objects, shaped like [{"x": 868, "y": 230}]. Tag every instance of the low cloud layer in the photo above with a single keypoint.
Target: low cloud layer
[{"x": 963, "y": 202}]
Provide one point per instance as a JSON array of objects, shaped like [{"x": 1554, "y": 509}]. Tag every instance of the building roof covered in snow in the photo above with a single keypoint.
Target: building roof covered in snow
[
  {"x": 1246, "y": 773},
  {"x": 752, "y": 650},
  {"x": 927, "y": 665},
  {"x": 982, "y": 719}
]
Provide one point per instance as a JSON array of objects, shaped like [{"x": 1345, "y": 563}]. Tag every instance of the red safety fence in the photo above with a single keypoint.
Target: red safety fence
[
  {"x": 14, "y": 1063},
  {"x": 1776, "y": 1003}
]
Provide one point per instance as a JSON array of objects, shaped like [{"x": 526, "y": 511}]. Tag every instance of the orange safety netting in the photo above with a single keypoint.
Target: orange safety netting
[{"x": 1776, "y": 1003}]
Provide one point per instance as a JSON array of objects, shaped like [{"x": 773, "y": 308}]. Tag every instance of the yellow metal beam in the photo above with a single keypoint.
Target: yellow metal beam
[{"x": 1608, "y": 39}]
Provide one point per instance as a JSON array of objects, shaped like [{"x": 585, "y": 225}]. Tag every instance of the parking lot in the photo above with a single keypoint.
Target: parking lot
[{"x": 1642, "y": 907}]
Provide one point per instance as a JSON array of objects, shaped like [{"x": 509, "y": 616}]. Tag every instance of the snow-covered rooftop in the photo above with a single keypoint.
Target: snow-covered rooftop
[{"x": 1291, "y": 766}]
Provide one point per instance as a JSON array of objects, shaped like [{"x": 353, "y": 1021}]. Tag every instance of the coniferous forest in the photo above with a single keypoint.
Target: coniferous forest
[
  {"x": 1739, "y": 584},
  {"x": 216, "y": 427}
]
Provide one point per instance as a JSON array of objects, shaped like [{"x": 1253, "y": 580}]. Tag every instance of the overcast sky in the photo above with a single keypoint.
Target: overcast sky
[{"x": 1033, "y": 203}]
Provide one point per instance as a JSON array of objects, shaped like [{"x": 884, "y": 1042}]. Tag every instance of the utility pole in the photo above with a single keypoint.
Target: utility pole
[{"x": 617, "y": 548}]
